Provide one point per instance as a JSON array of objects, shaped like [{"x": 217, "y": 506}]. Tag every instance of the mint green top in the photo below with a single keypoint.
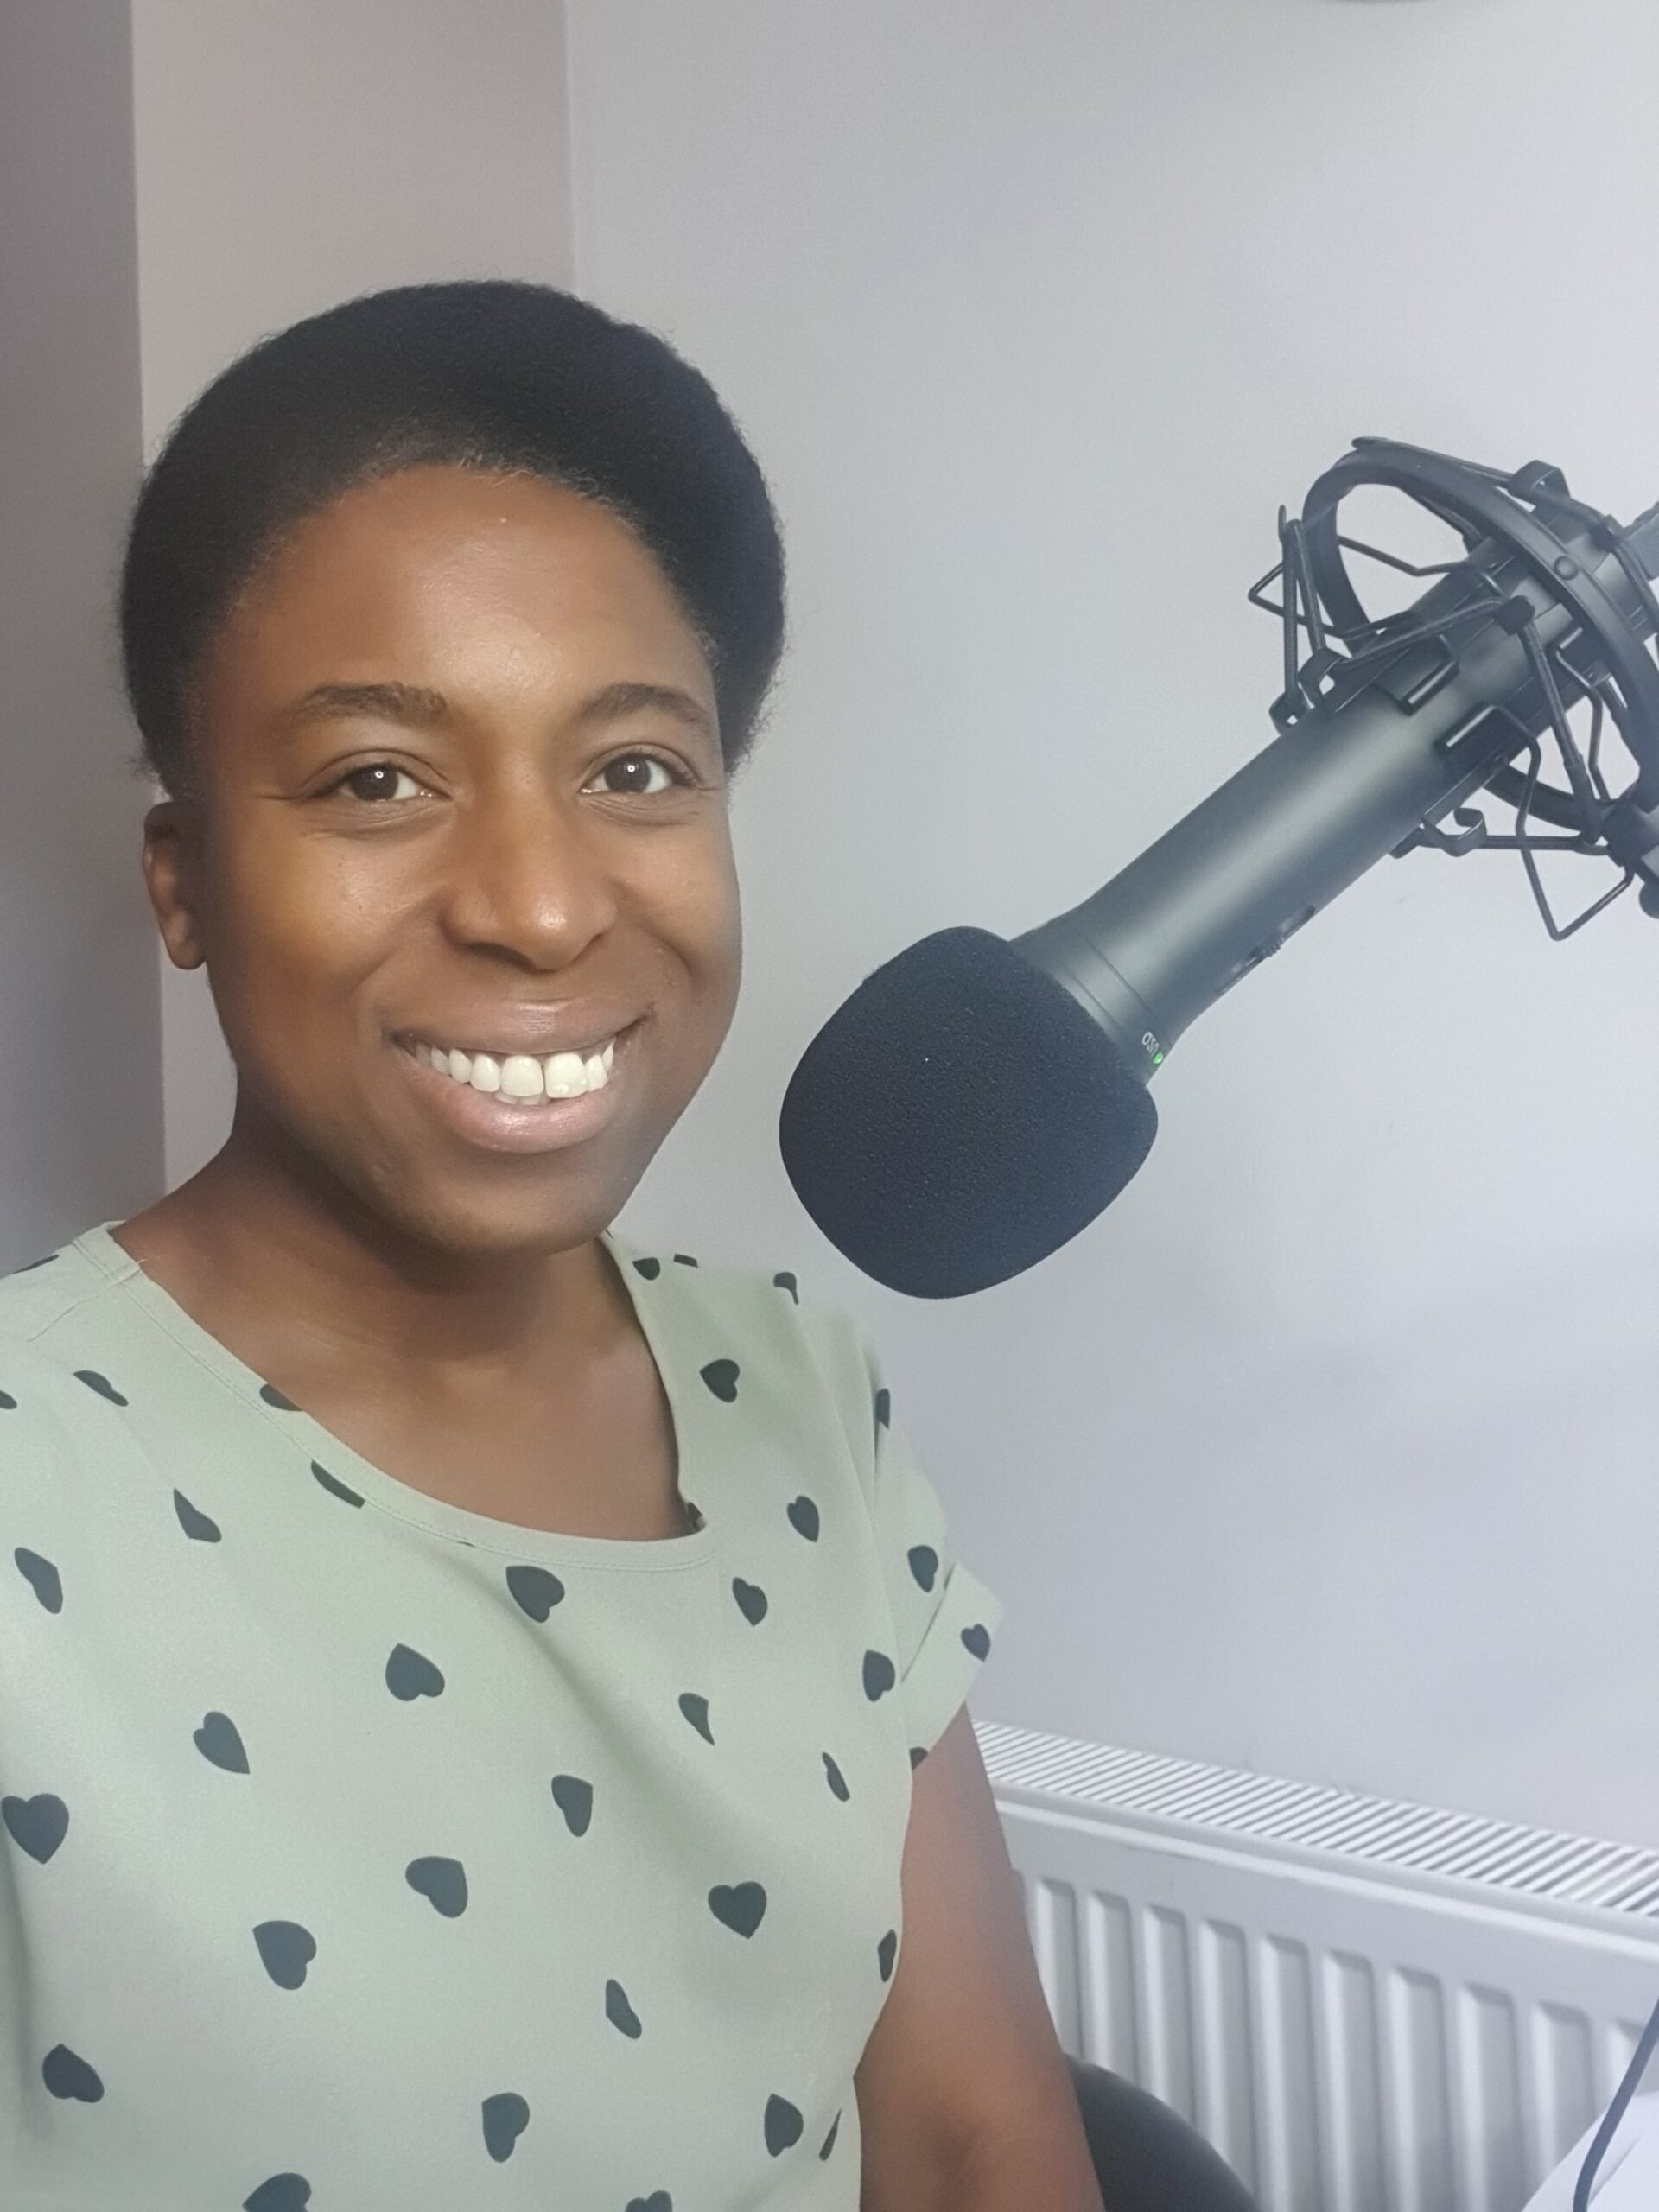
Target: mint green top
[{"x": 364, "y": 1854}]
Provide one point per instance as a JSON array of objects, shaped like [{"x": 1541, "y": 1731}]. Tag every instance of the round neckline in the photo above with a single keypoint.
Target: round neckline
[{"x": 388, "y": 1493}]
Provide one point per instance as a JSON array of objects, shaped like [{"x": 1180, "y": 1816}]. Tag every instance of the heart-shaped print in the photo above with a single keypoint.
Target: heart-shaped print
[
  {"x": 620, "y": 2012},
  {"x": 685, "y": 1260},
  {"x": 695, "y": 1710},
  {"x": 273, "y": 1396},
  {"x": 784, "y": 1280},
  {"x": 721, "y": 1376},
  {"x": 42, "y": 1577},
  {"x": 411, "y": 1674},
  {"x": 879, "y": 1675},
  {"x": 751, "y": 1600},
  {"x": 506, "y": 2118},
  {"x": 829, "y": 2140},
  {"x": 741, "y": 1910},
  {"x": 783, "y": 2125},
  {"x": 67, "y": 2075},
  {"x": 101, "y": 1383},
  {"x": 333, "y": 1482},
  {"x": 282, "y": 2193},
  {"x": 193, "y": 1523},
  {"x": 37, "y": 1825},
  {"x": 917, "y": 1755},
  {"x": 658, "y": 2201},
  {"x": 885, "y": 1952},
  {"x": 575, "y": 1799},
  {"x": 977, "y": 1639},
  {"x": 803, "y": 1518},
  {"x": 650, "y": 1269},
  {"x": 884, "y": 1409},
  {"x": 836, "y": 1779},
  {"x": 924, "y": 1564},
  {"x": 287, "y": 1949},
  {"x": 218, "y": 1741},
  {"x": 535, "y": 1591},
  {"x": 443, "y": 1881},
  {"x": 7, "y": 1403}
]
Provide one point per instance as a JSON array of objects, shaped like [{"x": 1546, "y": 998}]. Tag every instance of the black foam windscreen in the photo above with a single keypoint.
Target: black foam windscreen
[{"x": 959, "y": 1118}]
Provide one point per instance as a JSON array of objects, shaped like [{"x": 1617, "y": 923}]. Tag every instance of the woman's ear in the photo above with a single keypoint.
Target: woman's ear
[{"x": 169, "y": 878}]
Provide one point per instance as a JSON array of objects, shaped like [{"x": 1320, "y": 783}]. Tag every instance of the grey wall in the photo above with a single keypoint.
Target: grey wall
[
  {"x": 288, "y": 158},
  {"x": 80, "y": 1094},
  {"x": 1328, "y": 1449}
]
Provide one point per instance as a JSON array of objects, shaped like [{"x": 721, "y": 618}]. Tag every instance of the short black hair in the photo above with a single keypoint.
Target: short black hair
[{"x": 490, "y": 373}]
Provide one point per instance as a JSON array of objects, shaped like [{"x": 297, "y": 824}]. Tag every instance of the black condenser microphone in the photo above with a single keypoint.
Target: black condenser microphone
[{"x": 978, "y": 1101}]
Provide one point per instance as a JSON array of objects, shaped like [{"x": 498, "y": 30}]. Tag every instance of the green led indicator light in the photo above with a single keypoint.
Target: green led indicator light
[{"x": 1157, "y": 1060}]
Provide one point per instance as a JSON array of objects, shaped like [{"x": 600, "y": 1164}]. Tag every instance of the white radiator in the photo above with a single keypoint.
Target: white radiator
[{"x": 1366, "y": 2006}]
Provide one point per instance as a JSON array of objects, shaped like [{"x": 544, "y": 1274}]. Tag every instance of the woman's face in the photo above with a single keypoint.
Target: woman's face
[{"x": 535, "y": 856}]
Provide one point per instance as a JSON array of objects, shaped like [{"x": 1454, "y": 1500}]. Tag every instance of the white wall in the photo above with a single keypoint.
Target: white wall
[
  {"x": 80, "y": 1093},
  {"x": 291, "y": 157},
  {"x": 1327, "y": 1450}
]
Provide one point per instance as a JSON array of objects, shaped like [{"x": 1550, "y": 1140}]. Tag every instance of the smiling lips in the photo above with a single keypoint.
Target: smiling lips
[{"x": 521, "y": 1077}]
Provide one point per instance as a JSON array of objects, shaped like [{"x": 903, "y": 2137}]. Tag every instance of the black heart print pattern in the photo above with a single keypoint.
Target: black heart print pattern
[
  {"x": 751, "y": 1600},
  {"x": 273, "y": 1396},
  {"x": 695, "y": 1710},
  {"x": 67, "y": 2074},
  {"x": 880, "y": 1675},
  {"x": 193, "y": 1523},
  {"x": 620, "y": 2012},
  {"x": 782, "y": 2125},
  {"x": 218, "y": 1741},
  {"x": 721, "y": 1376},
  {"x": 575, "y": 1799},
  {"x": 42, "y": 1577},
  {"x": 412, "y": 1674},
  {"x": 37, "y": 1825},
  {"x": 442, "y": 1882},
  {"x": 101, "y": 1383},
  {"x": 287, "y": 1950},
  {"x": 741, "y": 1910},
  {"x": 535, "y": 1591},
  {"x": 333, "y": 1484},
  {"x": 282, "y": 2193},
  {"x": 505, "y": 2118},
  {"x": 803, "y": 1518}
]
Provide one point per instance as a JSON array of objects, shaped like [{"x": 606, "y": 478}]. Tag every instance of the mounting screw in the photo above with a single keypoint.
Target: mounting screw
[{"x": 1565, "y": 566}]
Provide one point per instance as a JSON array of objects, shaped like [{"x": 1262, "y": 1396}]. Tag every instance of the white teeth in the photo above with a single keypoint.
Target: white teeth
[
  {"x": 565, "y": 1075},
  {"x": 521, "y": 1076}
]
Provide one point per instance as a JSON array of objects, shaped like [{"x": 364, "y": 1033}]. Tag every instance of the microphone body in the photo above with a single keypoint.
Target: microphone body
[
  {"x": 1392, "y": 747},
  {"x": 979, "y": 1100}
]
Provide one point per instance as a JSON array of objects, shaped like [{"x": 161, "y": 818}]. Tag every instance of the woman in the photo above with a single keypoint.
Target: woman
[{"x": 467, "y": 1680}]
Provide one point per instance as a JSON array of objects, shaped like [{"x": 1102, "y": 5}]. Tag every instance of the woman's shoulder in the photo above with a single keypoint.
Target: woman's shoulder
[
  {"x": 767, "y": 1307},
  {"x": 40, "y": 1293}
]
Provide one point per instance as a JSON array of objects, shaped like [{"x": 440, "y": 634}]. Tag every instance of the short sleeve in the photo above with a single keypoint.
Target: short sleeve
[{"x": 943, "y": 1616}]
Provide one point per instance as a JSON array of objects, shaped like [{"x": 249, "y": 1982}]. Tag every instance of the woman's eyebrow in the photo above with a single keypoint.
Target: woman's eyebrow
[{"x": 419, "y": 708}]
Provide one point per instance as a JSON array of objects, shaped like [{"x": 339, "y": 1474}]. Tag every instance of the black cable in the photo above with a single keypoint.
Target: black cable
[{"x": 1621, "y": 2096}]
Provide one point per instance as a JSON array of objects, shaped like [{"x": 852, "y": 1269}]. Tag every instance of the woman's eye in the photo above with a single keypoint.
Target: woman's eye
[
  {"x": 377, "y": 780},
  {"x": 635, "y": 763}
]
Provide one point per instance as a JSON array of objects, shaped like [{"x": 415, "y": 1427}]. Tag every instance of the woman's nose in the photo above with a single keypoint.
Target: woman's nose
[{"x": 527, "y": 877}]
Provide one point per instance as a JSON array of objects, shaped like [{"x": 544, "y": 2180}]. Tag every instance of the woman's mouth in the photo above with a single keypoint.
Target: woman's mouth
[{"x": 517, "y": 1102}]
